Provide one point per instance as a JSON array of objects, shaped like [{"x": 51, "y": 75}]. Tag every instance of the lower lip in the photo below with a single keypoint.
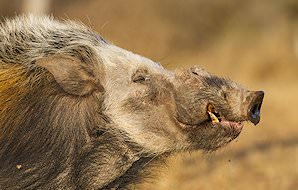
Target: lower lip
[{"x": 236, "y": 125}]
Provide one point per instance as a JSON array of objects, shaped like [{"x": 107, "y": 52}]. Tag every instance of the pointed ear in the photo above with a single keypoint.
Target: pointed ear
[{"x": 74, "y": 76}]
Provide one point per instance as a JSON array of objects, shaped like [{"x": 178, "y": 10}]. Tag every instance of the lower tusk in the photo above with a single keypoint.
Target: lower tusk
[{"x": 214, "y": 119}]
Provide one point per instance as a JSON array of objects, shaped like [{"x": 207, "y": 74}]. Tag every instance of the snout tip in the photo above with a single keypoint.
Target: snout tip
[{"x": 254, "y": 111}]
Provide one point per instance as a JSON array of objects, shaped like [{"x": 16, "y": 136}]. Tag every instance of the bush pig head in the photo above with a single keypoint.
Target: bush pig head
[{"x": 157, "y": 109}]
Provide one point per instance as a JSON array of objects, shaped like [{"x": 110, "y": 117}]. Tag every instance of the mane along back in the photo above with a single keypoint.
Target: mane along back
[{"x": 28, "y": 38}]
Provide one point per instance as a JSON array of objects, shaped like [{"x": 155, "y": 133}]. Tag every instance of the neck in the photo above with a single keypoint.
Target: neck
[{"x": 109, "y": 163}]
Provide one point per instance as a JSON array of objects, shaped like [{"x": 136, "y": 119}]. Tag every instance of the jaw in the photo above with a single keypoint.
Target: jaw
[
  {"x": 210, "y": 136},
  {"x": 211, "y": 129}
]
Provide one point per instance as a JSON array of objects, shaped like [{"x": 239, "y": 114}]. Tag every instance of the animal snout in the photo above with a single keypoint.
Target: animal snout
[{"x": 254, "y": 109}]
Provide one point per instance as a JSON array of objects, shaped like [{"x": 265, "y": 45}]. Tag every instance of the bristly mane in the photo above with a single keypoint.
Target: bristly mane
[{"x": 28, "y": 38}]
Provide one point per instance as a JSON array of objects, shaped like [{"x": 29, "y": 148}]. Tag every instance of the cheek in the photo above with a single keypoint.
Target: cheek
[
  {"x": 153, "y": 129},
  {"x": 192, "y": 111},
  {"x": 147, "y": 122},
  {"x": 151, "y": 112}
]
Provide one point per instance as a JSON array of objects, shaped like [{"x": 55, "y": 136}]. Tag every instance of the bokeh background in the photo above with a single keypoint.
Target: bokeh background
[{"x": 254, "y": 42}]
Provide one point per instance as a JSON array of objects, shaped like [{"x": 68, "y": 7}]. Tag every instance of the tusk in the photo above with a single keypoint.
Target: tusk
[{"x": 214, "y": 119}]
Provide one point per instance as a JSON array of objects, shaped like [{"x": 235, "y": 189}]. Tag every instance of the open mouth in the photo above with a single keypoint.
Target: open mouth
[{"x": 216, "y": 119}]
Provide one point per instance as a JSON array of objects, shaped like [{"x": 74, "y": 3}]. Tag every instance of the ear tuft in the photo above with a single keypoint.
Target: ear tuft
[{"x": 73, "y": 76}]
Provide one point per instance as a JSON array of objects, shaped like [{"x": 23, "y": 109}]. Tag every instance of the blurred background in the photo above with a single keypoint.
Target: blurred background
[{"x": 250, "y": 41}]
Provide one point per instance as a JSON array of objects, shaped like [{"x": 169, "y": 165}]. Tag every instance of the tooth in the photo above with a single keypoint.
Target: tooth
[{"x": 214, "y": 119}]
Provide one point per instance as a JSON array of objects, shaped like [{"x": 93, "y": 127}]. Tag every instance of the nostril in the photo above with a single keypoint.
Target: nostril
[{"x": 255, "y": 111}]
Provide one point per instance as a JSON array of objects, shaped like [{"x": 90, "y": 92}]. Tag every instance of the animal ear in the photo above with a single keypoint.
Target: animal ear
[{"x": 74, "y": 76}]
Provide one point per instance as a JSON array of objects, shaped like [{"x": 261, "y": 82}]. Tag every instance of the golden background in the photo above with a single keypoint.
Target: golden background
[{"x": 254, "y": 42}]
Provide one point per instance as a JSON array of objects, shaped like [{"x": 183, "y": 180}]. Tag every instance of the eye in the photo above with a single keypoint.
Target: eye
[
  {"x": 195, "y": 73},
  {"x": 140, "y": 78}
]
